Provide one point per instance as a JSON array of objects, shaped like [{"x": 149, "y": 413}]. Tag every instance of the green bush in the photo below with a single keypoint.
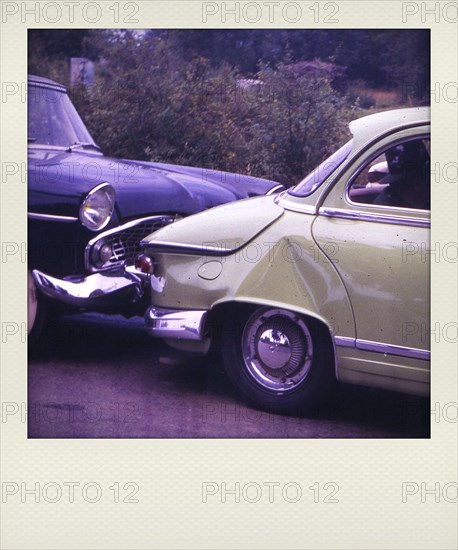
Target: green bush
[{"x": 149, "y": 103}]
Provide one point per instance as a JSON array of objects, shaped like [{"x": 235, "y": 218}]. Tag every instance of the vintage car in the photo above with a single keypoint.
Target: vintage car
[
  {"x": 87, "y": 213},
  {"x": 324, "y": 281}
]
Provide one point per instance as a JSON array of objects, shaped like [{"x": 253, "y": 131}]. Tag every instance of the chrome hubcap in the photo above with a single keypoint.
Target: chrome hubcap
[
  {"x": 277, "y": 349},
  {"x": 274, "y": 348}
]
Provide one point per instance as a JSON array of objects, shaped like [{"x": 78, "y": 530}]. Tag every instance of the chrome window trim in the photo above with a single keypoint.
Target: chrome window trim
[
  {"x": 114, "y": 230},
  {"x": 274, "y": 189},
  {"x": 334, "y": 175},
  {"x": 381, "y": 347},
  {"x": 286, "y": 201},
  {"x": 51, "y": 217},
  {"x": 376, "y": 216}
]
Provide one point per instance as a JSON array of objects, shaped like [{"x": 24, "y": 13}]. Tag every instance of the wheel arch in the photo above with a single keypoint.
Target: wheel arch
[
  {"x": 224, "y": 307},
  {"x": 227, "y": 303}
]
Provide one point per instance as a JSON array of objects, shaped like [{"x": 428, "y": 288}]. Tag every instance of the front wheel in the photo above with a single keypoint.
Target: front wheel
[{"x": 278, "y": 359}]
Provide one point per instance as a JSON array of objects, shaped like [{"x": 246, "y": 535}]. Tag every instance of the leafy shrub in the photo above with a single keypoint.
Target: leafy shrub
[{"x": 149, "y": 103}]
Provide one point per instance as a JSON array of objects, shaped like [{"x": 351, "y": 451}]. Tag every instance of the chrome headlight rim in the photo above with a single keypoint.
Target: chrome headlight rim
[{"x": 88, "y": 196}]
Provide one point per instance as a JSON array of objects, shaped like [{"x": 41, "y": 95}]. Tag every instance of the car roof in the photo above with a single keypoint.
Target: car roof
[
  {"x": 370, "y": 127},
  {"x": 45, "y": 82}
]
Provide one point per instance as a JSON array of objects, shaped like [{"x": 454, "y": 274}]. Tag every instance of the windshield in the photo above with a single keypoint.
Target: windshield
[
  {"x": 53, "y": 120},
  {"x": 311, "y": 182}
]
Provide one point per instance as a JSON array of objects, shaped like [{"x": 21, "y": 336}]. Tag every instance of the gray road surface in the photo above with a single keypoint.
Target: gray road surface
[{"x": 103, "y": 377}]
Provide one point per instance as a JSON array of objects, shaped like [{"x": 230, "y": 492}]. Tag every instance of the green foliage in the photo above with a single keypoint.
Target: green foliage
[
  {"x": 151, "y": 104},
  {"x": 198, "y": 97},
  {"x": 383, "y": 58},
  {"x": 298, "y": 118}
]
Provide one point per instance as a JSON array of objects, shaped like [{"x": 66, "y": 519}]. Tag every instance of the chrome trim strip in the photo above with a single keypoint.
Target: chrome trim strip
[
  {"x": 293, "y": 207},
  {"x": 374, "y": 217},
  {"x": 391, "y": 349},
  {"x": 208, "y": 250},
  {"x": 179, "y": 324},
  {"x": 117, "y": 229},
  {"x": 31, "y": 81},
  {"x": 390, "y": 208},
  {"x": 380, "y": 347},
  {"x": 275, "y": 189},
  {"x": 127, "y": 225},
  {"x": 92, "y": 290},
  {"x": 44, "y": 147},
  {"x": 51, "y": 217},
  {"x": 344, "y": 341}
]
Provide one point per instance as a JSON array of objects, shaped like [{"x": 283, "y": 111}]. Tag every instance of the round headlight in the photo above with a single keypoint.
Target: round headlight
[{"x": 97, "y": 207}]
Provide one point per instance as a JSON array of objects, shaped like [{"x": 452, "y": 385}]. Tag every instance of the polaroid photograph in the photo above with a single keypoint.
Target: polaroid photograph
[{"x": 229, "y": 274}]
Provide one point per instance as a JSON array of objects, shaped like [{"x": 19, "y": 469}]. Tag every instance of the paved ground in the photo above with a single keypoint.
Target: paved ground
[{"x": 103, "y": 377}]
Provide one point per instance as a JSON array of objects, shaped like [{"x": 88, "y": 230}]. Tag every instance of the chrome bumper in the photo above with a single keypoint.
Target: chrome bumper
[
  {"x": 175, "y": 324},
  {"x": 96, "y": 290}
]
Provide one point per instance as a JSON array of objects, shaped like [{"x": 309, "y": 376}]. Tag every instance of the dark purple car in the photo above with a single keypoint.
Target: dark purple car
[{"x": 87, "y": 213}]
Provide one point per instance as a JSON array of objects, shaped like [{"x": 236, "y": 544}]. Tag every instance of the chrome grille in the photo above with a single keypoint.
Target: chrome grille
[{"x": 124, "y": 242}]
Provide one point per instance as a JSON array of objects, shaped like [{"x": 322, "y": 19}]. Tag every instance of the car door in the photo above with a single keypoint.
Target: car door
[{"x": 381, "y": 251}]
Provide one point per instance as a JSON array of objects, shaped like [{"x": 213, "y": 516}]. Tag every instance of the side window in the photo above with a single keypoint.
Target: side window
[{"x": 399, "y": 177}]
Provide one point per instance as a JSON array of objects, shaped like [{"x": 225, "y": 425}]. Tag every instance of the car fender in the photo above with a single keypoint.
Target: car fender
[
  {"x": 295, "y": 275},
  {"x": 271, "y": 269}
]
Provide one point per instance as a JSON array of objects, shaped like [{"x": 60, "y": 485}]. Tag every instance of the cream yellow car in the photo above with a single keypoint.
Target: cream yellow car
[{"x": 328, "y": 280}]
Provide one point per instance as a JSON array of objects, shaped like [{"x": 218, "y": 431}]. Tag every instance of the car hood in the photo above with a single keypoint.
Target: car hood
[
  {"x": 58, "y": 181},
  {"x": 220, "y": 230}
]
